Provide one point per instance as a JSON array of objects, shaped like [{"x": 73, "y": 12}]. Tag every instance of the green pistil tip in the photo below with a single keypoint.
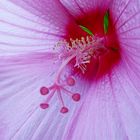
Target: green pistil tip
[
  {"x": 86, "y": 30},
  {"x": 106, "y": 21}
]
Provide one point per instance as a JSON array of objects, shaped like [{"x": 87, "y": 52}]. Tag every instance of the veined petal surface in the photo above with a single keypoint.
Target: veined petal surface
[
  {"x": 109, "y": 108},
  {"x": 31, "y": 26}
]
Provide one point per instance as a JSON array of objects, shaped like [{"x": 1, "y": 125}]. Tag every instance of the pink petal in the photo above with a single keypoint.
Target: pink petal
[
  {"x": 80, "y": 7},
  {"x": 20, "y": 81},
  {"x": 27, "y": 28},
  {"x": 111, "y": 110}
]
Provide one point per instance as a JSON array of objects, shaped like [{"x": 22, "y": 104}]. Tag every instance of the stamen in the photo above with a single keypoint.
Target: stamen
[{"x": 80, "y": 50}]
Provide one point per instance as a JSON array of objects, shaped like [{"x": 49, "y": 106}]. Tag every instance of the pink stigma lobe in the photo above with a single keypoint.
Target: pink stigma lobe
[
  {"x": 44, "y": 105},
  {"x": 70, "y": 81},
  {"x": 44, "y": 91},
  {"x": 64, "y": 110},
  {"x": 76, "y": 97}
]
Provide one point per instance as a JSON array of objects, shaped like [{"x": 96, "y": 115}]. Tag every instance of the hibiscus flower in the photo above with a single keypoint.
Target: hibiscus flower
[{"x": 69, "y": 70}]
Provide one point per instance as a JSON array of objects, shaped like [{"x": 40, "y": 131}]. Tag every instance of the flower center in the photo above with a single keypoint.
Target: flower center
[{"x": 81, "y": 51}]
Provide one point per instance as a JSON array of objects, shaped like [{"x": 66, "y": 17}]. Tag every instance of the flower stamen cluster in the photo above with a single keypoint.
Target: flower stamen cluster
[{"x": 81, "y": 51}]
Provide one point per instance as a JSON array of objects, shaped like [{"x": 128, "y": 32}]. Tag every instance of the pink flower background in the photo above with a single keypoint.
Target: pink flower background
[{"x": 109, "y": 108}]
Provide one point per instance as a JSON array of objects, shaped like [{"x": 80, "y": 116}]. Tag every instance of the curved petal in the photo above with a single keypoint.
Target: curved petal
[
  {"x": 125, "y": 13},
  {"x": 128, "y": 26},
  {"x": 111, "y": 110},
  {"x": 27, "y": 26},
  {"x": 80, "y": 7},
  {"x": 20, "y": 80}
]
